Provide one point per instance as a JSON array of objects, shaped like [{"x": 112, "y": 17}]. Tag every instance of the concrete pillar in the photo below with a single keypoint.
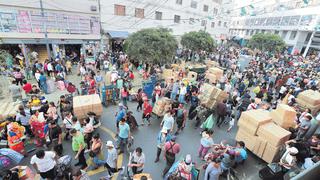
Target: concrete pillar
[
  {"x": 24, "y": 52},
  {"x": 308, "y": 45}
]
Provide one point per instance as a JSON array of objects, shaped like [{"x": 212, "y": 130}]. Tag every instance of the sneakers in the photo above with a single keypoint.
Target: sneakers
[{"x": 87, "y": 150}]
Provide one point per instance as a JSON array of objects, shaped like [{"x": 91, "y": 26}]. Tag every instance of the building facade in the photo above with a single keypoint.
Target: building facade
[
  {"x": 293, "y": 20},
  {"x": 71, "y": 22},
  {"x": 180, "y": 16}
]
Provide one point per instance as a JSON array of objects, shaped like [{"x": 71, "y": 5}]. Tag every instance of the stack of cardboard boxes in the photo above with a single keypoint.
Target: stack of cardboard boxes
[
  {"x": 87, "y": 103},
  {"x": 162, "y": 106},
  {"x": 261, "y": 136},
  {"x": 214, "y": 74},
  {"x": 309, "y": 99},
  {"x": 168, "y": 74},
  {"x": 284, "y": 116},
  {"x": 210, "y": 95},
  {"x": 210, "y": 63}
]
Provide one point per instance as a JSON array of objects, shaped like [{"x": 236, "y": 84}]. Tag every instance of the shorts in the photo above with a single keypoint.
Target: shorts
[{"x": 49, "y": 174}]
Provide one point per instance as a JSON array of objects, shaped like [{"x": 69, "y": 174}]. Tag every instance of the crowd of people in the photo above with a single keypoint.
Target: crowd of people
[{"x": 272, "y": 79}]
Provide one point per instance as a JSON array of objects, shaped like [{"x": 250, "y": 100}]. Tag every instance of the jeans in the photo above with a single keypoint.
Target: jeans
[
  {"x": 122, "y": 143},
  {"x": 220, "y": 120},
  {"x": 181, "y": 98},
  {"x": 44, "y": 87},
  {"x": 203, "y": 151},
  {"x": 170, "y": 159},
  {"x": 173, "y": 95}
]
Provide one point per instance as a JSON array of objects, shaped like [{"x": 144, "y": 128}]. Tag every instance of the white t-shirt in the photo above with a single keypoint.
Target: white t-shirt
[
  {"x": 46, "y": 163},
  {"x": 139, "y": 160},
  {"x": 111, "y": 157},
  {"x": 49, "y": 67},
  {"x": 183, "y": 90},
  {"x": 168, "y": 122},
  {"x": 282, "y": 89},
  {"x": 68, "y": 122}
]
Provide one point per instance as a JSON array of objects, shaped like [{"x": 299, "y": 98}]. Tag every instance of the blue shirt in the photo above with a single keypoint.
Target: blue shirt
[
  {"x": 124, "y": 130},
  {"x": 120, "y": 115},
  {"x": 212, "y": 173},
  {"x": 206, "y": 142}
]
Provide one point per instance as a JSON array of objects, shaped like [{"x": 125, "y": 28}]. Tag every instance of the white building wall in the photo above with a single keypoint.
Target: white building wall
[
  {"x": 86, "y": 9},
  {"x": 169, "y": 8}
]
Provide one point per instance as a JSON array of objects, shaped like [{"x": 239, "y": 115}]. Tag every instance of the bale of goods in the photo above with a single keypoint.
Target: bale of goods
[
  {"x": 88, "y": 103},
  {"x": 167, "y": 73},
  {"x": 175, "y": 66},
  {"x": 248, "y": 139},
  {"x": 216, "y": 71},
  {"x": 210, "y": 95},
  {"x": 211, "y": 78},
  {"x": 210, "y": 63},
  {"x": 310, "y": 97},
  {"x": 274, "y": 134},
  {"x": 284, "y": 116},
  {"x": 162, "y": 106}
]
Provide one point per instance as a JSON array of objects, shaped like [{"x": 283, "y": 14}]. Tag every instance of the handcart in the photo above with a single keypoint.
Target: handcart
[{"x": 109, "y": 95}]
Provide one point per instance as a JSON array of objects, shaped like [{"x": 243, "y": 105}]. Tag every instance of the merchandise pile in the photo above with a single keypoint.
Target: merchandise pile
[
  {"x": 309, "y": 99},
  {"x": 210, "y": 95},
  {"x": 214, "y": 74},
  {"x": 261, "y": 135},
  {"x": 162, "y": 106},
  {"x": 87, "y": 103}
]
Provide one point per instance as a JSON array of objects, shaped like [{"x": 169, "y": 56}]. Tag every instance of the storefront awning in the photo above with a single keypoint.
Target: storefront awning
[{"x": 118, "y": 34}]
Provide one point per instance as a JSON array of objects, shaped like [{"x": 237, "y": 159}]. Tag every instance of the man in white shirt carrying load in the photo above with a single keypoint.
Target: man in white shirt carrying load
[{"x": 44, "y": 162}]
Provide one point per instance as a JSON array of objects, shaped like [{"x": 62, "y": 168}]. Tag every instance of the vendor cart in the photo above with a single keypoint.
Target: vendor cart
[{"x": 108, "y": 95}]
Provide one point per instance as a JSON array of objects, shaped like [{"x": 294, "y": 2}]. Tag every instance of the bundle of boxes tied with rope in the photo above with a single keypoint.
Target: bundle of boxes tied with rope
[
  {"x": 210, "y": 95},
  {"x": 8, "y": 108},
  {"x": 309, "y": 99},
  {"x": 87, "y": 103},
  {"x": 261, "y": 134}
]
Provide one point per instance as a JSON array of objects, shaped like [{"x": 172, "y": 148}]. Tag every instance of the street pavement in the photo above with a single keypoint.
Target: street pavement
[{"x": 146, "y": 138}]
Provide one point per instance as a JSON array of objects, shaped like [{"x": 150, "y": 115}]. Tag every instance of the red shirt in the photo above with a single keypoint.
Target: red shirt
[
  {"x": 172, "y": 147},
  {"x": 27, "y": 88},
  {"x": 147, "y": 108}
]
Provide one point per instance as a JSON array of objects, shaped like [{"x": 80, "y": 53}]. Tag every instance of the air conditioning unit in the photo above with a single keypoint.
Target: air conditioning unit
[{"x": 93, "y": 8}]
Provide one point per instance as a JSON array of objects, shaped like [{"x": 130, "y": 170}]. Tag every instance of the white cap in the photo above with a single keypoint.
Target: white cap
[
  {"x": 188, "y": 158},
  {"x": 293, "y": 150},
  {"x": 110, "y": 144}
]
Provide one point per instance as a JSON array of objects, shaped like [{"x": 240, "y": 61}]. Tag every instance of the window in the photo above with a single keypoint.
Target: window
[
  {"x": 225, "y": 24},
  {"x": 191, "y": 20},
  {"x": 219, "y": 23},
  {"x": 284, "y": 34},
  {"x": 179, "y": 2},
  {"x": 293, "y": 35},
  {"x": 203, "y": 22},
  {"x": 119, "y": 10},
  {"x": 158, "y": 15},
  {"x": 263, "y": 31},
  {"x": 308, "y": 37},
  {"x": 215, "y": 11},
  {"x": 247, "y": 32},
  {"x": 251, "y": 32},
  {"x": 276, "y": 32},
  {"x": 139, "y": 13},
  {"x": 212, "y": 24},
  {"x": 205, "y": 8},
  {"x": 176, "y": 19},
  {"x": 194, "y": 4}
]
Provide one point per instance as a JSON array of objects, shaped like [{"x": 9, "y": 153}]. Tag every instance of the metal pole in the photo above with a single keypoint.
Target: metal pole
[
  {"x": 308, "y": 45},
  {"x": 45, "y": 30}
]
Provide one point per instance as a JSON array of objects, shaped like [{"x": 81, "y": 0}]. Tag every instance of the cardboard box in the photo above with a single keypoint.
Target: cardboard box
[
  {"x": 310, "y": 96},
  {"x": 314, "y": 109},
  {"x": 216, "y": 71},
  {"x": 274, "y": 134},
  {"x": 271, "y": 153},
  {"x": 256, "y": 117},
  {"x": 211, "y": 77},
  {"x": 190, "y": 73},
  {"x": 262, "y": 146},
  {"x": 167, "y": 73},
  {"x": 247, "y": 127},
  {"x": 210, "y": 63},
  {"x": 88, "y": 103},
  {"x": 284, "y": 122},
  {"x": 248, "y": 139}
]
